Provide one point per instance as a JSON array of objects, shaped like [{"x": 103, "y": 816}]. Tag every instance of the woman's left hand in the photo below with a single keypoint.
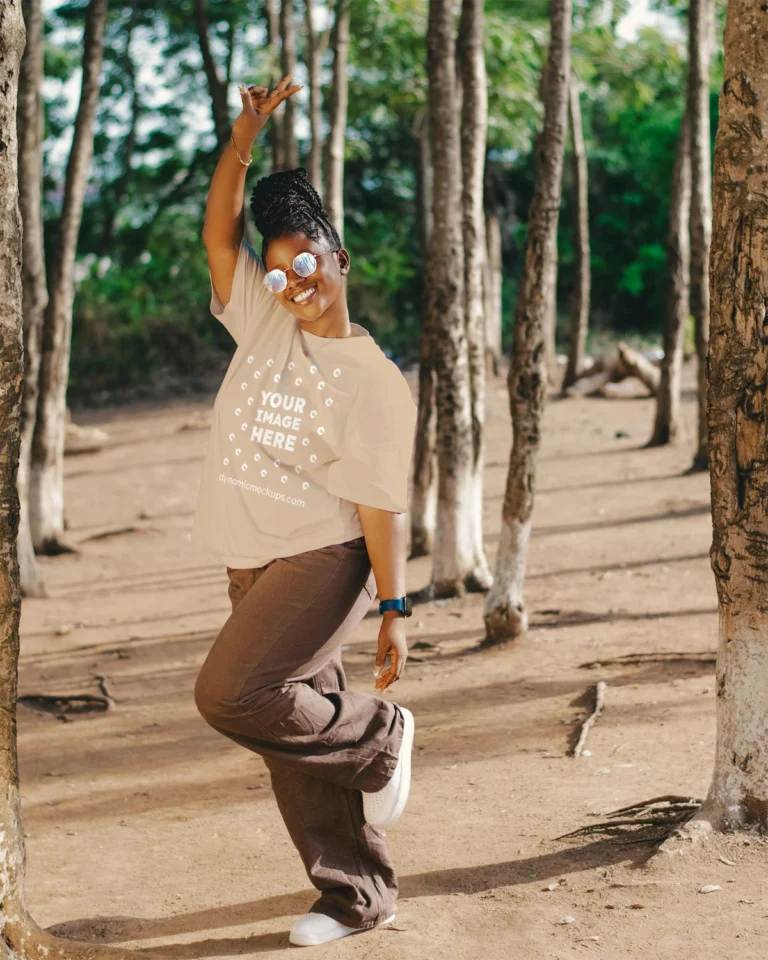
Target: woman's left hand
[{"x": 391, "y": 641}]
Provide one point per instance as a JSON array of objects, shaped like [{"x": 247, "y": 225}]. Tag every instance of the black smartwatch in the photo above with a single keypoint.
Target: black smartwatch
[{"x": 402, "y": 604}]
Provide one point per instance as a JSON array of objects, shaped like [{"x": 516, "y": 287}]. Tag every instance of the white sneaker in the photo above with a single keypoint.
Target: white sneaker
[
  {"x": 316, "y": 928},
  {"x": 384, "y": 807}
]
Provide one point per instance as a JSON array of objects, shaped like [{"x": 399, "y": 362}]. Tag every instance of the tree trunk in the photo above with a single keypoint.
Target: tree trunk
[
  {"x": 117, "y": 195},
  {"x": 453, "y": 554},
  {"x": 22, "y": 938},
  {"x": 581, "y": 290},
  {"x": 700, "y": 28},
  {"x": 288, "y": 66},
  {"x": 424, "y": 485},
  {"x": 217, "y": 87},
  {"x": 668, "y": 426},
  {"x": 315, "y": 47},
  {"x": 29, "y": 125},
  {"x": 738, "y": 441},
  {"x": 505, "y": 613},
  {"x": 474, "y": 129},
  {"x": 333, "y": 195},
  {"x": 274, "y": 127},
  {"x": 46, "y": 493},
  {"x": 492, "y": 278}
]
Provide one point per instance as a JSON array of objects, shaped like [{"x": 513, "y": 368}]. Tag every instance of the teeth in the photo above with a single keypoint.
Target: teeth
[{"x": 304, "y": 295}]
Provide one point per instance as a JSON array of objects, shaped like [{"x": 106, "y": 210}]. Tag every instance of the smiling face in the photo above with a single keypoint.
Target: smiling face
[{"x": 320, "y": 290}]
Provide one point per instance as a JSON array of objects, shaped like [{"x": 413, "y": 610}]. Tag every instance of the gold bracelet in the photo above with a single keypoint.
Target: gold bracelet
[{"x": 232, "y": 138}]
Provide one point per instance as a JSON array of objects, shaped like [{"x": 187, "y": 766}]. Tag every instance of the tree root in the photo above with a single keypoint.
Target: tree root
[
  {"x": 661, "y": 657},
  {"x": 636, "y": 823},
  {"x": 600, "y": 689}
]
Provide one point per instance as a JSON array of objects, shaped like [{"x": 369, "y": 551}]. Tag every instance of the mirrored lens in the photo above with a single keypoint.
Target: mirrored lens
[
  {"x": 275, "y": 281},
  {"x": 305, "y": 264}
]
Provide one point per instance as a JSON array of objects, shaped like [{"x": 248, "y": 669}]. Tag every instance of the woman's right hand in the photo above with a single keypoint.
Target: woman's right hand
[{"x": 259, "y": 102}]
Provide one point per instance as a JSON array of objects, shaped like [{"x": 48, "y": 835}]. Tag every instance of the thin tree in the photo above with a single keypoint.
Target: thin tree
[
  {"x": 288, "y": 66},
  {"x": 505, "y": 613},
  {"x": 736, "y": 417},
  {"x": 29, "y": 124},
  {"x": 423, "y": 512},
  {"x": 217, "y": 84},
  {"x": 316, "y": 46},
  {"x": 474, "y": 130},
  {"x": 46, "y": 491},
  {"x": 22, "y": 938},
  {"x": 492, "y": 269},
  {"x": 668, "y": 424},
  {"x": 274, "y": 130},
  {"x": 581, "y": 290},
  {"x": 333, "y": 194},
  {"x": 453, "y": 554},
  {"x": 700, "y": 31}
]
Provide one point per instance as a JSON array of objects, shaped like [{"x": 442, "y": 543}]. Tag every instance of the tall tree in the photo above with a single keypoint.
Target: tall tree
[
  {"x": 581, "y": 289},
  {"x": 505, "y": 613},
  {"x": 668, "y": 424},
  {"x": 453, "y": 554},
  {"x": 737, "y": 422},
  {"x": 275, "y": 128},
  {"x": 333, "y": 194},
  {"x": 46, "y": 492},
  {"x": 700, "y": 31},
  {"x": 29, "y": 124},
  {"x": 316, "y": 45},
  {"x": 288, "y": 66},
  {"x": 217, "y": 84},
  {"x": 474, "y": 130},
  {"x": 22, "y": 938}
]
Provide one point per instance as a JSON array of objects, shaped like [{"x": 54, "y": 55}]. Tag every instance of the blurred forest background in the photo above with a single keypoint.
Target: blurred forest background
[{"x": 141, "y": 318}]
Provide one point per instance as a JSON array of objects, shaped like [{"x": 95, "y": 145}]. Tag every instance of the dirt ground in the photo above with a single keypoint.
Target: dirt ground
[{"x": 146, "y": 828}]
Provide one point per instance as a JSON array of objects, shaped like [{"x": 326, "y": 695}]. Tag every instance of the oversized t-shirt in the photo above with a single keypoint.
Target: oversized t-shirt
[{"x": 297, "y": 441}]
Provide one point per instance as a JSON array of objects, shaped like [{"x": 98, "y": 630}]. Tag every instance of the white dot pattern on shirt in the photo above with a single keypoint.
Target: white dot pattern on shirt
[{"x": 312, "y": 413}]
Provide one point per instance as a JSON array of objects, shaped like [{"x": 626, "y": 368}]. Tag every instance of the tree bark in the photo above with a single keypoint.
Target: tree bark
[
  {"x": 581, "y": 290},
  {"x": 288, "y": 66},
  {"x": 700, "y": 27},
  {"x": 29, "y": 125},
  {"x": 333, "y": 195},
  {"x": 46, "y": 492},
  {"x": 453, "y": 554},
  {"x": 737, "y": 427},
  {"x": 20, "y": 937},
  {"x": 274, "y": 127},
  {"x": 474, "y": 130},
  {"x": 315, "y": 47},
  {"x": 505, "y": 613},
  {"x": 668, "y": 425}
]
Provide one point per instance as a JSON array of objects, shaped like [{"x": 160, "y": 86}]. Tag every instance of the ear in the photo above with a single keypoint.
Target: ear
[{"x": 344, "y": 261}]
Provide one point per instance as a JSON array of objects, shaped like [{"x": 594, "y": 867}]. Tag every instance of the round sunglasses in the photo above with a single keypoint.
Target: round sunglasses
[{"x": 304, "y": 264}]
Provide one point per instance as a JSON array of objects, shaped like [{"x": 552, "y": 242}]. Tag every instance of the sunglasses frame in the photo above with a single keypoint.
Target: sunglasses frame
[{"x": 284, "y": 274}]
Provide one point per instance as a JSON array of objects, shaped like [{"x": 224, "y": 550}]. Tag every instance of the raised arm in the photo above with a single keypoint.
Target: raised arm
[{"x": 224, "y": 213}]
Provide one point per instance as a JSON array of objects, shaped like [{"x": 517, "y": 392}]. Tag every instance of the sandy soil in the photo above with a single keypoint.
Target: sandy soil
[{"x": 146, "y": 828}]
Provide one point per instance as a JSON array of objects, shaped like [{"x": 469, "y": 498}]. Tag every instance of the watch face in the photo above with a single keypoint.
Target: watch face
[{"x": 408, "y": 607}]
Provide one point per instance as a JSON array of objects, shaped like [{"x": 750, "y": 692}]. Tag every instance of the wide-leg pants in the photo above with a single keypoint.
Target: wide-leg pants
[{"x": 273, "y": 682}]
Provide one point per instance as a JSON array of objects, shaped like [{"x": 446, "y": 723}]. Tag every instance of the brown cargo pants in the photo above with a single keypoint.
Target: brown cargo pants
[{"x": 273, "y": 682}]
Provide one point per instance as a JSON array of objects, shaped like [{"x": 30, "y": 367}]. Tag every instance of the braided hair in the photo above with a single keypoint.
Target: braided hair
[{"x": 286, "y": 203}]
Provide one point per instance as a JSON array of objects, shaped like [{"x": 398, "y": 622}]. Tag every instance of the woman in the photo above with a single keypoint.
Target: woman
[{"x": 303, "y": 497}]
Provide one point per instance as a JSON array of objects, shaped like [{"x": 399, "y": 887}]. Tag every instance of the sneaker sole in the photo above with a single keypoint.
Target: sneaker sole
[
  {"x": 307, "y": 942},
  {"x": 406, "y": 749}
]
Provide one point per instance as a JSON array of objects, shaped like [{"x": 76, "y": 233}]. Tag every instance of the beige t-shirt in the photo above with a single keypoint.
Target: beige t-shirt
[{"x": 297, "y": 441}]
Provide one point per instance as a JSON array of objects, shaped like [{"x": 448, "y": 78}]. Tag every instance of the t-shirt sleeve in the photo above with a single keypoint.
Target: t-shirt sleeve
[
  {"x": 377, "y": 446},
  {"x": 249, "y": 296}
]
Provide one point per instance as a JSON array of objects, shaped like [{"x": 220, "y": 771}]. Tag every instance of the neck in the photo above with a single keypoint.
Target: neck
[{"x": 333, "y": 323}]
